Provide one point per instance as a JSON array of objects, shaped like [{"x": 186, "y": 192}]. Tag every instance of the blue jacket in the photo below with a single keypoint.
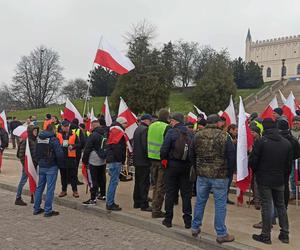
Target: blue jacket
[
  {"x": 169, "y": 142},
  {"x": 48, "y": 150}
]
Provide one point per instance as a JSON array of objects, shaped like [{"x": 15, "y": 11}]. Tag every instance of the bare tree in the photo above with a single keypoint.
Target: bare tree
[
  {"x": 37, "y": 78},
  {"x": 6, "y": 100},
  {"x": 186, "y": 53},
  {"x": 75, "y": 89}
]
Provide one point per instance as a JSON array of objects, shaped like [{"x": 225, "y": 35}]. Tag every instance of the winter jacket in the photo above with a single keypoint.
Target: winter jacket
[
  {"x": 116, "y": 152},
  {"x": 140, "y": 150},
  {"x": 230, "y": 154},
  {"x": 168, "y": 146},
  {"x": 294, "y": 142},
  {"x": 212, "y": 153},
  {"x": 271, "y": 158},
  {"x": 32, "y": 146},
  {"x": 93, "y": 143},
  {"x": 3, "y": 139},
  {"x": 48, "y": 150},
  {"x": 296, "y": 132}
]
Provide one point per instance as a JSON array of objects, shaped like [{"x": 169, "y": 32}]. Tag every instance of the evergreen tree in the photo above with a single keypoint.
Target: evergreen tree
[
  {"x": 213, "y": 90},
  {"x": 103, "y": 82},
  {"x": 168, "y": 60},
  {"x": 238, "y": 66},
  {"x": 253, "y": 76}
]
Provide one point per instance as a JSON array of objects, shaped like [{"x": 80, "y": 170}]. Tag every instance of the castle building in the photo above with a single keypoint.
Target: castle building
[{"x": 278, "y": 57}]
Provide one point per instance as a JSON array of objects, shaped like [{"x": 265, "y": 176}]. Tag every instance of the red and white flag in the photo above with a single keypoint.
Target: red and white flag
[
  {"x": 229, "y": 113},
  {"x": 289, "y": 108},
  {"x": 200, "y": 112},
  {"x": 61, "y": 114},
  {"x": 109, "y": 57},
  {"x": 125, "y": 112},
  {"x": 71, "y": 112},
  {"x": 283, "y": 99},
  {"x": 297, "y": 106},
  {"x": 30, "y": 169},
  {"x": 115, "y": 135},
  {"x": 268, "y": 112},
  {"x": 244, "y": 142},
  {"x": 92, "y": 115},
  {"x": 3, "y": 120},
  {"x": 86, "y": 174},
  {"x": 191, "y": 117},
  {"x": 21, "y": 131},
  {"x": 106, "y": 112}
]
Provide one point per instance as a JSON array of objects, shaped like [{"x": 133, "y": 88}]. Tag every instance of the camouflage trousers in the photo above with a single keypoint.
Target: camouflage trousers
[{"x": 159, "y": 191}]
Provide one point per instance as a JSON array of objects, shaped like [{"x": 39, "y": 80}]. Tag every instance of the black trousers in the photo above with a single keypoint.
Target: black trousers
[
  {"x": 98, "y": 175},
  {"x": 276, "y": 194},
  {"x": 141, "y": 186},
  {"x": 68, "y": 175},
  {"x": 177, "y": 179}
]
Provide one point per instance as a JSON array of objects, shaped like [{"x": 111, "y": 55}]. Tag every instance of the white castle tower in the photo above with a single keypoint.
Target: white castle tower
[{"x": 278, "y": 57}]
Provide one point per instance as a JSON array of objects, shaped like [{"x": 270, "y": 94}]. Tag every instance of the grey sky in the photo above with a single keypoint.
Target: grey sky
[{"x": 73, "y": 27}]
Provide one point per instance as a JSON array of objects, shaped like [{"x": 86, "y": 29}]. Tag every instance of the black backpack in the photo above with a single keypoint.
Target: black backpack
[
  {"x": 102, "y": 151},
  {"x": 181, "y": 146}
]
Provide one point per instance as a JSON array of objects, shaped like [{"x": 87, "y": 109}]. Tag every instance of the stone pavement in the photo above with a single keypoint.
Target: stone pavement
[
  {"x": 239, "y": 219},
  {"x": 72, "y": 230}
]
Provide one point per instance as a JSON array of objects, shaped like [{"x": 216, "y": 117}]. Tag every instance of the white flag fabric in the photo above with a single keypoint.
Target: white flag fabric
[
  {"x": 200, "y": 112},
  {"x": 30, "y": 169},
  {"x": 229, "y": 113},
  {"x": 71, "y": 112},
  {"x": 3, "y": 120},
  {"x": 283, "y": 99},
  {"x": 107, "y": 116}
]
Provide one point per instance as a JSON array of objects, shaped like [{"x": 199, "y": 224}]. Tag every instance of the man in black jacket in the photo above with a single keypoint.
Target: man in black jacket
[
  {"x": 142, "y": 165},
  {"x": 270, "y": 160},
  {"x": 175, "y": 150},
  {"x": 94, "y": 158},
  {"x": 3, "y": 141},
  {"x": 116, "y": 156},
  {"x": 284, "y": 130}
]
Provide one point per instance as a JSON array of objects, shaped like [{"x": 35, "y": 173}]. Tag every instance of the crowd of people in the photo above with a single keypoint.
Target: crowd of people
[{"x": 170, "y": 156}]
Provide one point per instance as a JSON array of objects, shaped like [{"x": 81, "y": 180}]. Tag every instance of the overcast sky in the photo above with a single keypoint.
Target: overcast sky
[{"x": 73, "y": 27}]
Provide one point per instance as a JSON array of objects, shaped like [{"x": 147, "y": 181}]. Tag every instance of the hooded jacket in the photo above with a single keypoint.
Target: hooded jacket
[
  {"x": 32, "y": 146},
  {"x": 53, "y": 155},
  {"x": 140, "y": 147},
  {"x": 3, "y": 139},
  {"x": 271, "y": 158}
]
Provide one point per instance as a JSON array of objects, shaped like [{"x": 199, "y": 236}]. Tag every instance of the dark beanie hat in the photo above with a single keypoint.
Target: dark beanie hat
[
  {"x": 75, "y": 121},
  {"x": 283, "y": 123},
  {"x": 178, "y": 117},
  {"x": 278, "y": 111},
  {"x": 298, "y": 112},
  {"x": 212, "y": 119},
  {"x": 202, "y": 122},
  {"x": 268, "y": 123},
  {"x": 48, "y": 116}
]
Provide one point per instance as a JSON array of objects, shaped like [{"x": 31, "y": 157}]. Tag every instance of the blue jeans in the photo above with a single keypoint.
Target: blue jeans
[
  {"x": 22, "y": 183},
  {"x": 46, "y": 176},
  {"x": 219, "y": 188},
  {"x": 114, "y": 170}
]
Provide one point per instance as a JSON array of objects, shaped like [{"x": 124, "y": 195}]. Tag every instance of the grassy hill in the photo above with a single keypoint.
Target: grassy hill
[{"x": 179, "y": 101}]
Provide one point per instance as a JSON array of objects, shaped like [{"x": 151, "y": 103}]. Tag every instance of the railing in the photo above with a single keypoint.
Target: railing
[{"x": 264, "y": 93}]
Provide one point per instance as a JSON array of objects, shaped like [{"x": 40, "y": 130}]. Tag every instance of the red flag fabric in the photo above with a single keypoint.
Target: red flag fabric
[
  {"x": 21, "y": 131},
  {"x": 268, "y": 112},
  {"x": 125, "y": 112},
  {"x": 289, "y": 109},
  {"x": 71, "y": 112},
  {"x": 86, "y": 176},
  {"x": 191, "y": 117},
  {"x": 109, "y": 57},
  {"x": 3, "y": 120},
  {"x": 115, "y": 135},
  {"x": 30, "y": 169}
]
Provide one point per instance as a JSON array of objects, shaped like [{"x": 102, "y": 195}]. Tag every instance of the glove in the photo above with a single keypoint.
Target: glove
[{"x": 164, "y": 163}]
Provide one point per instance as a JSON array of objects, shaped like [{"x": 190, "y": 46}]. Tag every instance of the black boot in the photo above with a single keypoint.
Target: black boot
[
  {"x": 284, "y": 238},
  {"x": 20, "y": 202},
  {"x": 32, "y": 199},
  {"x": 262, "y": 238}
]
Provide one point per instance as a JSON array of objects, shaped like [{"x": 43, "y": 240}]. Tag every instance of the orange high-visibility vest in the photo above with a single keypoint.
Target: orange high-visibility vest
[
  {"x": 46, "y": 123},
  {"x": 71, "y": 141}
]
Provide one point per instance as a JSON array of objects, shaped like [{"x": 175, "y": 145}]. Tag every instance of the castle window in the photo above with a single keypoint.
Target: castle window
[
  {"x": 298, "y": 69},
  {"x": 269, "y": 72}
]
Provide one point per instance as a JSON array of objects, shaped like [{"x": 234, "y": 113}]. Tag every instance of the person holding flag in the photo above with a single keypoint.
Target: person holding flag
[
  {"x": 270, "y": 160},
  {"x": 32, "y": 132}
]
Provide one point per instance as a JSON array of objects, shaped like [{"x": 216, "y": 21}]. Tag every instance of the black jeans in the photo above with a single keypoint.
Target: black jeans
[
  {"x": 98, "y": 175},
  {"x": 141, "y": 186},
  {"x": 68, "y": 175},
  {"x": 177, "y": 178},
  {"x": 277, "y": 194}
]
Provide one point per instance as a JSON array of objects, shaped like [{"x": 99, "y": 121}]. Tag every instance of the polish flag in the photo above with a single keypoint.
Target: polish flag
[
  {"x": 30, "y": 169},
  {"x": 283, "y": 99},
  {"x": 115, "y": 135},
  {"x": 106, "y": 112},
  {"x": 191, "y": 117},
  {"x": 92, "y": 116},
  {"x": 244, "y": 143},
  {"x": 3, "y": 120},
  {"x": 125, "y": 112},
  {"x": 297, "y": 106},
  {"x": 61, "y": 114},
  {"x": 229, "y": 113},
  {"x": 71, "y": 112},
  {"x": 268, "y": 112},
  {"x": 200, "y": 112},
  {"x": 21, "y": 131},
  {"x": 289, "y": 109},
  {"x": 86, "y": 174},
  {"x": 109, "y": 57}
]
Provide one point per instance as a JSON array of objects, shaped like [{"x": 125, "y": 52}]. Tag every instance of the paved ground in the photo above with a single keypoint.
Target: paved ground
[
  {"x": 239, "y": 219},
  {"x": 19, "y": 229}
]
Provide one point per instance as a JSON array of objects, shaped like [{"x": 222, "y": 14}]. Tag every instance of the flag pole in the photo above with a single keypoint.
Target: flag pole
[{"x": 89, "y": 80}]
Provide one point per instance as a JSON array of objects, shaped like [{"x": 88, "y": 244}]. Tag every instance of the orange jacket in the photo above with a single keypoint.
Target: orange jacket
[
  {"x": 46, "y": 123},
  {"x": 71, "y": 141}
]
